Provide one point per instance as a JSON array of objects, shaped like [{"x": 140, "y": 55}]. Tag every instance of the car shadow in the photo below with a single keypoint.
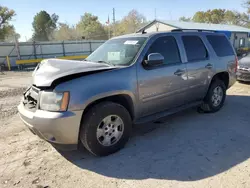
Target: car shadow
[
  {"x": 244, "y": 82},
  {"x": 188, "y": 146}
]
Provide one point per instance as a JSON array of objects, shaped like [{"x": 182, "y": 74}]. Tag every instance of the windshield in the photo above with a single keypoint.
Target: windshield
[{"x": 118, "y": 51}]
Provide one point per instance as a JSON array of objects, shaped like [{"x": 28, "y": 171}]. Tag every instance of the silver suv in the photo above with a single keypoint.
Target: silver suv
[{"x": 131, "y": 79}]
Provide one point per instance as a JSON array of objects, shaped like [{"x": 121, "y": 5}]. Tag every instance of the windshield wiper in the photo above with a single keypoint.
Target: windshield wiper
[{"x": 106, "y": 62}]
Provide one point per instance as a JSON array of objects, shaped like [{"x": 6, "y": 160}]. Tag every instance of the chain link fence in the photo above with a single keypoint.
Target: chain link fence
[{"x": 41, "y": 50}]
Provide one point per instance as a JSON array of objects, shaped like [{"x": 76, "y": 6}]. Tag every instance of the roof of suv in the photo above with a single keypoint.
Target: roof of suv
[{"x": 140, "y": 34}]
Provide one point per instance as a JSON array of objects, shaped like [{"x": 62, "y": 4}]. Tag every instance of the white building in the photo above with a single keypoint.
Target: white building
[{"x": 239, "y": 36}]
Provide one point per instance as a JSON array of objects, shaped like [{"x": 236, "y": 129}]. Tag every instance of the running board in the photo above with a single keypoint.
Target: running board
[{"x": 159, "y": 115}]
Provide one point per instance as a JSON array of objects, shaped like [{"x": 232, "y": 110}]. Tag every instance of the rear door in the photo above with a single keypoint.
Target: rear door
[
  {"x": 162, "y": 87},
  {"x": 199, "y": 66}
]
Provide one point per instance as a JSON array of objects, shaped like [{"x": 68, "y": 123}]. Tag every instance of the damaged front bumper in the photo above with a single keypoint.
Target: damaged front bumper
[
  {"x": 243, "y": 76},
  {"x": 59, "y": 128}
]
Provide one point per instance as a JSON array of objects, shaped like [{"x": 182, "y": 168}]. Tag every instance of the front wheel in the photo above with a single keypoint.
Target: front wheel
[
  {"x": 215, "y": 97},
  {"x": 105, "y": 128}
]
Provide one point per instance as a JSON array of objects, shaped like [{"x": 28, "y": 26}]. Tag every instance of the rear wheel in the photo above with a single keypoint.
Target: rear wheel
[
  {"x": 215, "y": 97},
  {"x": 105, "y": 128}
]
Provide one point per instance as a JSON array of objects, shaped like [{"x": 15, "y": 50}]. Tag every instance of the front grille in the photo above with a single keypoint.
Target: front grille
[
  {"x": 244, "y": 68},
  {"x": 30, "y": 98},
  {"x": 245, "y": 76}
]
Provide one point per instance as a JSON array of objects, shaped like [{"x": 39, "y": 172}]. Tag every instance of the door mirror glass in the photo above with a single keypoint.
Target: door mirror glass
[{"x": 154, "y": 59}]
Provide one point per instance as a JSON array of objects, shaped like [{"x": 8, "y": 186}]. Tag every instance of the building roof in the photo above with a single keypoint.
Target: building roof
[{"x": 204, "y": 26}]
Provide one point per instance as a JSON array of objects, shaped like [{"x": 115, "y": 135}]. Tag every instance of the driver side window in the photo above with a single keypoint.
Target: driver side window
[{"x": 168, "y": 48}]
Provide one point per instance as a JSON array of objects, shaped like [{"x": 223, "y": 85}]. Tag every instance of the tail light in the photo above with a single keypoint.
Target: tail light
[{"x": 236, "y": 64}]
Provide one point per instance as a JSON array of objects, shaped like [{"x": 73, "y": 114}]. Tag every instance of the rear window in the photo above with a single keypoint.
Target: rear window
[
  {"x": 195, "y": 48},
  {"x": 221, "y": 45}
]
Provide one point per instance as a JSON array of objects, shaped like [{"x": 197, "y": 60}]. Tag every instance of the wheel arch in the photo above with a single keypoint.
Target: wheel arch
[
  {"x": 223, "y": 76},
  {"x": 123, "y": 99}
]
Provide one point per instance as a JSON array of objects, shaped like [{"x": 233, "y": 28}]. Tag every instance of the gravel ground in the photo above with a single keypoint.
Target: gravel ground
[
  {"x": 187, "y": 150},
  {"x": 12, "y": 85}
]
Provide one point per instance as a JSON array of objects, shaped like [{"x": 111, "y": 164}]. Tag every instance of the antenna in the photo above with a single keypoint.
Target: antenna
[{"x": 155, "y": 13}]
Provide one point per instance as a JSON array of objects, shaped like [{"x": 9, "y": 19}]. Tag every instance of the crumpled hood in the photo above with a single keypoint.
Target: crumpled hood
[{"x": 52, "y": 69}]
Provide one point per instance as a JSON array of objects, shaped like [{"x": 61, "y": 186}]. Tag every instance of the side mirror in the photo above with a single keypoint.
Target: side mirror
[{"x": 154, "y": 59}]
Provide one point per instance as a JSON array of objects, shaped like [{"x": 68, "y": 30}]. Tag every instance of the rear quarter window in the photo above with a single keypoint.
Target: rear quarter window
[{"x": 221, "y": 45}]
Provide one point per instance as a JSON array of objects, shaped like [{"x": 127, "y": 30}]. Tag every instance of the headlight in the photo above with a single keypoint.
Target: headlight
[{"x": 51, "y": 101}]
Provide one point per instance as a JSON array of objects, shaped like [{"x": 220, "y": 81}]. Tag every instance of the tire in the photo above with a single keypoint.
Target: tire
[
  {"x": 209, "y": 105},
  {"x": 94, "y": 119}
]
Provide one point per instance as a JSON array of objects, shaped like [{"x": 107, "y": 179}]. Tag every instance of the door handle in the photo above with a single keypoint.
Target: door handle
[
  {"x": 179, "y": 72},
  {"x": 209, "y": 66}
]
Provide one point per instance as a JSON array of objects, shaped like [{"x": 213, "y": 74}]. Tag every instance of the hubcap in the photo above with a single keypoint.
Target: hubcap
[
  {"x": 217, "y": 96},
  {"x": 110, "y": 130}
]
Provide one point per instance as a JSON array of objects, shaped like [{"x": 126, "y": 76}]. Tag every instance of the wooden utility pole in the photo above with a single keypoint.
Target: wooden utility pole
[
  {"x": 109, "y": 30},
  {"x": 114, "y": 21},
  {"x": 17, "y": 47},
  {"x": 17, "y": 50}
]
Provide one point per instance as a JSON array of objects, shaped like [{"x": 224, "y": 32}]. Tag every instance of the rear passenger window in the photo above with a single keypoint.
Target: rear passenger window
[
  {"x": 221, "y": 45},
  {"x": 167, "y": 47},
  {"x": 195, "y": 48}
]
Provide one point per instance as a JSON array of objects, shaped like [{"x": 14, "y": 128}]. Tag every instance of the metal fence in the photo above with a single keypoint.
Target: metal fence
[{"x": 37, "y": 50}]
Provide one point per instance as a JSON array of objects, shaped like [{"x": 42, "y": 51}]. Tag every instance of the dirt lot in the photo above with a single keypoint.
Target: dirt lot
[{"x": 187, "y": 150}]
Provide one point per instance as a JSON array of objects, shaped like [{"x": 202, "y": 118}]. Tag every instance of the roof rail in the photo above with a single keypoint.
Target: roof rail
[
  {"x": 198, "y": 30},
  {"x": 142, "y": 32}
]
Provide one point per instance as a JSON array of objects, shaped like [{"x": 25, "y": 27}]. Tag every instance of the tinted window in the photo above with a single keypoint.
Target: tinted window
[
  {"x": 221, "y": 45},
  {"x": 195, "y": 48},
  {"x": 167, "y": 47}
]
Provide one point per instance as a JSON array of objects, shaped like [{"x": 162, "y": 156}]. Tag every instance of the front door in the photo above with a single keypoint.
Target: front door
[{"x": 162, "y": 87}]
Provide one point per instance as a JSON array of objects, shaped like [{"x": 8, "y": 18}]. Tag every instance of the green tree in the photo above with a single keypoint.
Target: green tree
[
  {"x": 6, "y": 15},
  {"x": 246, "y": 20},
  {"x": 246, "y": 4},
  {"x": 65, "y": 32},
  {"x": 130, "y": 23},
  {"x": 185, "y": 19},
  {"x": 10, "y": 37},
  {"x": 236, "y": 18},
  {"x": 90, "y": 28},
  {"x": 199, "y": 17},
  {"x": 43, "y": 26},
  {"x": 221, "y": 16},
  {"x": 216, "y": 16},
  {"x": 230, "y": 17}
]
